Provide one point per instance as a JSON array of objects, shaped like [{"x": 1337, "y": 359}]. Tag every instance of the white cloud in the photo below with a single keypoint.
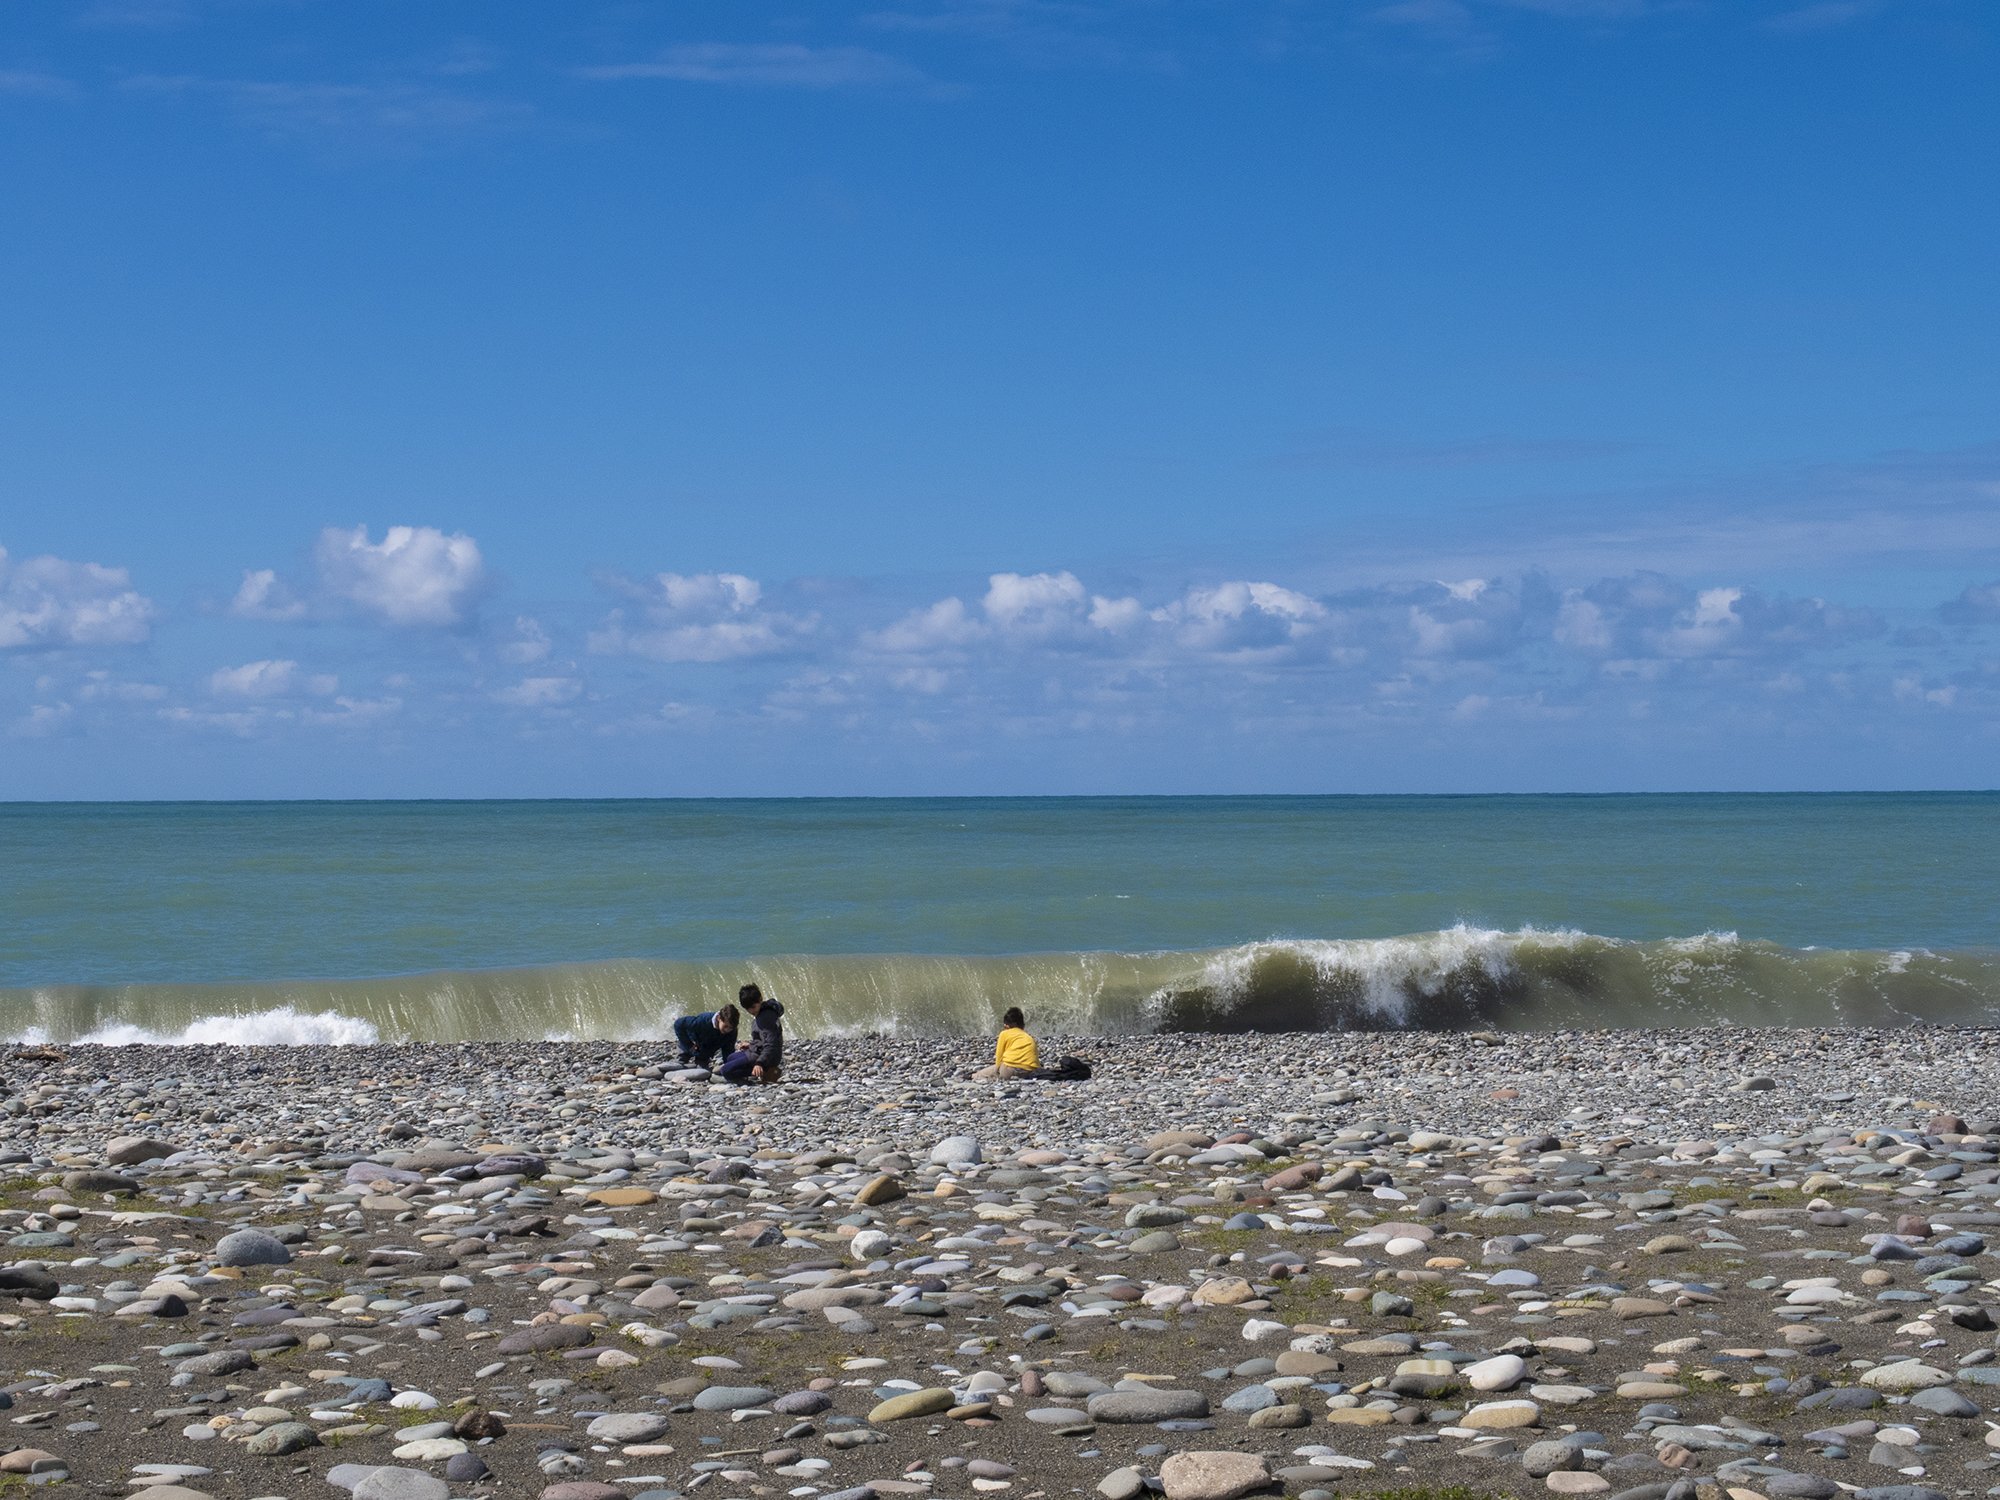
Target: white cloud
[
  {"x": 1240, "y": 617},
  {"x": 1708, "y": 627},
  {"x": 1034, "y": 603},
  {"x": 688, "y": 715},
  {"x": 49, "y": 602},
  {"x": 1581, "y": 625},
  {"x": 238, "y": 721},
  {"x": 1116, "y": 615},
  {"x": 720, "y": 640},
  {"x": 1647, "y": 615},
  {"x": 709, "y": 593},
  {"x": 811, "y": 691},
  {"x": 263, "y": 596},
  {"x": 943, "y": 626},
  {"x": 530, "y": 643},
  {"x": 352, "y": 713},
  {"x": 1054, "y": 607},
  {"x": 254, "y": 679},
  {"x": 1911, "y": 689},
  {"x": 701, "y": 617},
  {"x": 101, "y": 686},
  {"x": 269, "y": 679},
  {"x": 1976, "y": 605},
  {"x": 540, "y": 692},
  {"x": 416, "y": 575},
  {"x": 1023, "y": 613}
]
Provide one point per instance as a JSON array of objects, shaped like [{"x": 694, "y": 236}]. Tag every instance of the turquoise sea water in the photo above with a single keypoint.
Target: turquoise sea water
[{"x": 353, "y": 921}]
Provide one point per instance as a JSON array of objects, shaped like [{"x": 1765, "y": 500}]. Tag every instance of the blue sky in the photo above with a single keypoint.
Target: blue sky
[{"x": 997, "y": 396}]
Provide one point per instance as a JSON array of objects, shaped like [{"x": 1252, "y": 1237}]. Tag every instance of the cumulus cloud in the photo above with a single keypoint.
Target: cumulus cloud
[
  {"x": 1438, "y": 622},
  {"x": 530, "y": 644},
  {"x": 1054, "y": 607},
  {"x": 254, "y": 679},
  {"x": 700, "y": 617},
  {"x": 1240, "y": 618},
  {"x": 708, "y": 593},
  {"x": 1710, "y": 625},
  {"x": 540, "y": 692},
  {"x": 1028, "y": 653},
  {"x": 263, "y": 595},
  {"x": 1583, "y": 625},
  {"x": 1648, "y": 616},
  {"x": 1034, "y": 604},
  {"x": 414, "y": 576},
  {"x": 943, "y": 626},
  {"x": 269, "y": 679},
  {"x": 101, "y": 686},
  {"x": 1023, "y": 614},
  {"x": 1977, "y": 605},
  {"x": 48, "y": 603},
  {"x": 1515, "y": 647},
  {"x": 1018, "y": 609},
  {"x": 1911, "y": 688}
]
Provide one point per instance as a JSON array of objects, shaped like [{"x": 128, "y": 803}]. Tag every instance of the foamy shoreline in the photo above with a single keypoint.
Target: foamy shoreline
[{"x": 1456, "y": 978}]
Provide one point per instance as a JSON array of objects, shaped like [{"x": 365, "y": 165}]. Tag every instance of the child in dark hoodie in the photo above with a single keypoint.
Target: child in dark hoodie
[
  {"x": 762, "y": 1058},
  {"x": 702, "y": 1038}
]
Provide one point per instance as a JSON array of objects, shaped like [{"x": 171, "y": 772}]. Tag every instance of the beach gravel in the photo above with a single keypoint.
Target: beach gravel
[{"x": 1719, "y": 1265}]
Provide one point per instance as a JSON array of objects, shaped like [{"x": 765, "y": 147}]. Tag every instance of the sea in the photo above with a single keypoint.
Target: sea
[{"x": 363, "y": 922}]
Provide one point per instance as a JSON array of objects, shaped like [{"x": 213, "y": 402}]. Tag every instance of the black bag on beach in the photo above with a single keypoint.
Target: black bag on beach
[{"x": 1065, "y": 1070}]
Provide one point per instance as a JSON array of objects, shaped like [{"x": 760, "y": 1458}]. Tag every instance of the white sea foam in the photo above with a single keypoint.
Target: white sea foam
[
  {"x": 1702, "y": 942},
  {"x": 1386, "y": 972},
  {"x": 1465, "y": 975},
  {"x": 281, "y": 1027}
]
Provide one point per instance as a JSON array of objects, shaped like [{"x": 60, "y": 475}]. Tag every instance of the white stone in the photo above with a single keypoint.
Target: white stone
[
  {"x": 1213, "y": 1475},
  {"x": 1905, "y": 1375},
  {"x": 955, "y": 1151},
  {"x": 1561, "y": 1395},
  {"x": 1500, "y": 1373},
  {"x": 1491, "y": 1415},
  {"x": 870, "y": 1244},
  {"x": 429, "y": 1450}
]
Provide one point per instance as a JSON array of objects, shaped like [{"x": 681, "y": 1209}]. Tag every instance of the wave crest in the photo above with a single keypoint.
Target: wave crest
[{"x": 1457, "y": 977}]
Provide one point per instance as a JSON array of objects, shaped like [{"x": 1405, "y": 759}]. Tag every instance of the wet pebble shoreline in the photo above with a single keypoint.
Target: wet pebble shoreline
[{"x": 1655, "y": 1265}]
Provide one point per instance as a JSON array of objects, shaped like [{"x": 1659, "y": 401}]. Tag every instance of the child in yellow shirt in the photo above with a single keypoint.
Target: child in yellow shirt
[{"x": 1014, "y": 1054}]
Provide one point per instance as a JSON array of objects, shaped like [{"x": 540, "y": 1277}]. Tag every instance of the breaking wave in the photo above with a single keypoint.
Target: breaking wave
[{"x": 1458, "y": 978}]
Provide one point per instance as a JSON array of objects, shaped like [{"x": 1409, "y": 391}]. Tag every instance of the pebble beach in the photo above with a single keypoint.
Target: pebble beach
[{"x": 1653, "y": 1265}]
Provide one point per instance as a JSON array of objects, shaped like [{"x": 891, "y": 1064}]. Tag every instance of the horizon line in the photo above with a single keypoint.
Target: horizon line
[{"x": 469, "y": 801}]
